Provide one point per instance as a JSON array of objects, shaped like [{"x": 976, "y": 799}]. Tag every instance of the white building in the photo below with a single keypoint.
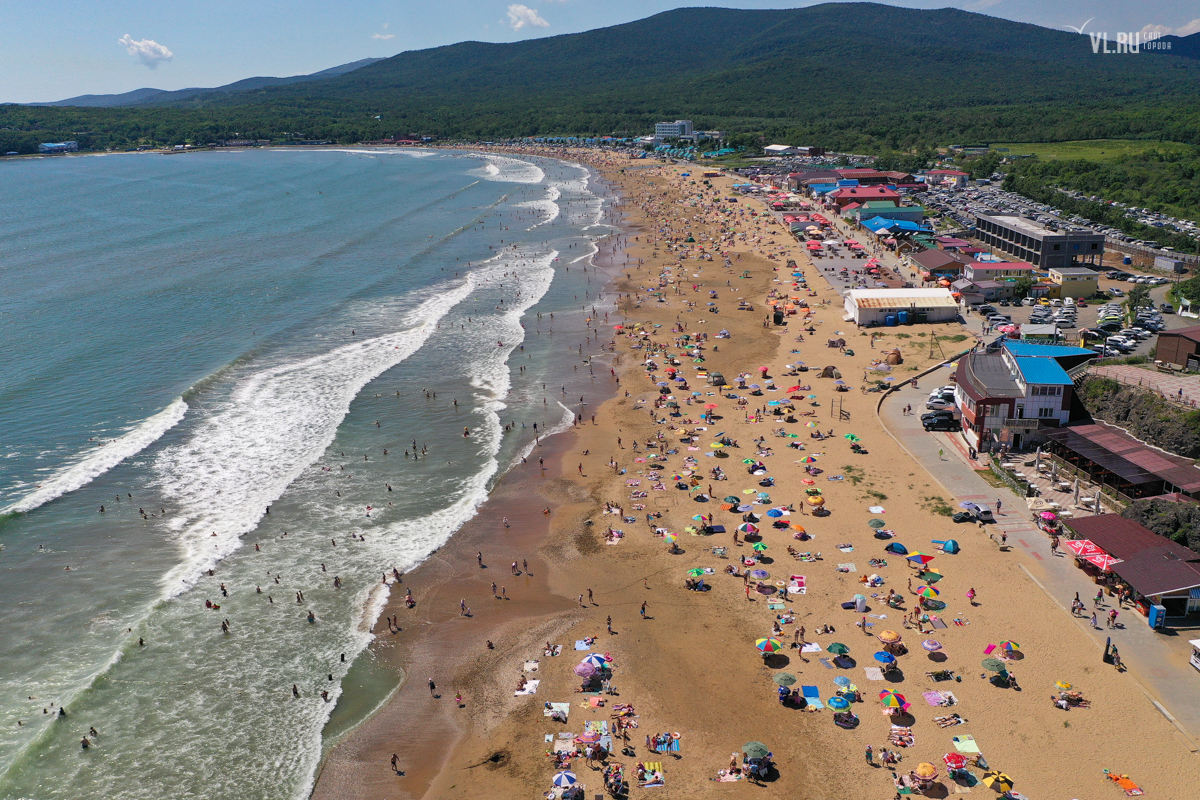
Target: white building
[
  {"x": 779, "y": 150},
  {"x": 679, "y": 129},
  {"x": 874, "y": 306}
]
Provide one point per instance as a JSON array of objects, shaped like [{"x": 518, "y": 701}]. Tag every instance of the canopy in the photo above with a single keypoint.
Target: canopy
[
  {"x": 786, "y": 679},
  {"x": 1084, "y": 547}
]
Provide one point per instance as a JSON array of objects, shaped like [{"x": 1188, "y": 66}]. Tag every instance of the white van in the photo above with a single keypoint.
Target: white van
[
  {"x": 1056, "y": 303},
  {"x": 1068, "y": 301}
]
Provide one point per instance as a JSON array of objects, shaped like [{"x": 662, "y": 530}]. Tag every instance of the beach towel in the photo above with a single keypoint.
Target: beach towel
[
  {"x": 825, "y": 661},
  {"x": 940, "y": 698},
  {"x": 1131, "y": 788},
  {"x": 595, "y": 702},
  {"x": 846, "y": 549},
  {"x": 728, "y": 777},
  {"x": 937, "y": 623},
  {"x": 531, "y": 666},
  {"x": 582, "y": 644},
  {"x": 811, "y": 647},
  {"x": 847, "y": 567},
  {"x": 599, "y": 726},
  {"x": 965, "y": 744},
  {"x": 530, "y": 688},
  {"x": 654, "y": 774},
  {"x": 550, "y": 708},
  {"x": 812, "y": 695},
  {"x": 873, "y": 673},
  {"x": 775, "y": 606}
]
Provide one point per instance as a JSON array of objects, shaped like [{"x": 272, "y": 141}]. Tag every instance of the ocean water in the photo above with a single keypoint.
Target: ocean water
[{"x": 217, "y": 349}]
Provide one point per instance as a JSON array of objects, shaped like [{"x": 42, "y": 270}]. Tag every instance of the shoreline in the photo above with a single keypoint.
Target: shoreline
[{"x": 508, "y": 499}]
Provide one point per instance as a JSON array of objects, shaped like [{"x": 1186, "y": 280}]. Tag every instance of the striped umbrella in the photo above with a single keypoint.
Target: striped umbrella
[
  {"x": 892, "y": 700},
  {"x": 1010, "y": 647},
  {"x": 768, "y": 645},
  {"x": 920, "y": 558},
  {"x": 931, "y": 645},
  {"x": 748, "y": 527},
  {"x": 670, "y": 538},
  {"x": 596, "y": 660},
  {"x": 564, "y": 779},
  {"x": 997, "y": 781},
  {"x": 758, "y": 547},
  {"x": 928, "y": 591}
]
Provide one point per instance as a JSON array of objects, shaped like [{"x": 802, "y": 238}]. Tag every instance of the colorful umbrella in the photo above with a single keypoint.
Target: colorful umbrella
[
  {"x": 698, "y": 517},
  {"x": 852, "y": 437},
  {"x": 748, "y": 527},
  {"x": 920, "y": 558},
  {"x": 1063, "y": 685},
  {"x": 928, "y": 592},
  {"x": 837, "y": 648},
  {"x": 670, "y": 538},
  {"x": 931, "y": 645},
  {"x": 955, "y": 760},
  {"x": 768, "y": 645},
  {"x": 716, "y": 445},
  {"x": 564, "y": 779},
  {"x": 885, "y": 658},
  {"x": 891, "y": 700},
  {"x": 997, "y": 781},
  {"x": 838, "y": 703},
  {"x": 809, "y": 460},
  {"x": 1010, "y": 647},
  {"x": 584, "y": 670},
  {"x": 1084, "y": 547}
]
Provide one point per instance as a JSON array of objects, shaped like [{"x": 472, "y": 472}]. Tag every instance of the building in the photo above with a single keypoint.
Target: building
[
  {"x": 1040, "y": 245},
  {"x": 865, "y": 176},
  {"x": 58, "y": 147},
  {"x": 997, "y": 270},
  {"x": 1073, "y": 282},
  {"x": 899, "y": 306},
  {"x": 975, "y": 292},
  {"x": 1014, "y": 395},
  {"x": 1179, "y": 347},
  {"x": 679, "y": 129},
  {"x": 951, "y": 177},
  {"x": 888, "y": 210},
  {"x": 1112, "y": 457},
  {"x": 846, "y": 195},
  {"x": 1160, "y": 571},
  {"x": 935, "y": 264},
  {"x": 779, "y": 150}
]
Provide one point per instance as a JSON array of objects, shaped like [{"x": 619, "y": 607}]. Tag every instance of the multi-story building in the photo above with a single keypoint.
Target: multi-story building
[
  {"x": 1038, "y": 244},
  {"x": 679, "y": 129}
]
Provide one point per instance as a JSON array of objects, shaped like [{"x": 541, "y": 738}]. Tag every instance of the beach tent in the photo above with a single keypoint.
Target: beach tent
[
  {"x": 896, "y": 547},
  {"x": 830, "y": 372}
]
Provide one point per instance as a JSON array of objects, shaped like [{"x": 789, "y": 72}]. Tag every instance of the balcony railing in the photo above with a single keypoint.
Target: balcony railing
[{"x": 1033, "y": 423}]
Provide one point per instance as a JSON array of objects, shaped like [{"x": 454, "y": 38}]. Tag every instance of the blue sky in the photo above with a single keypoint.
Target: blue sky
[{"x": 72, "y": 47}]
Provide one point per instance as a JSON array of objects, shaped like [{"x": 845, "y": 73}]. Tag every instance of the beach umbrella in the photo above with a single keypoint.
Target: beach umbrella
[
  {"x": 1102, "y": 560},
  {"x": 662, "y": 383},
  {"x": 816, "y": 500},
  {"x": 1010, "y": 647},
  {"x": 876, "y": 523},
  {"x": 774, "y": 512},
  {"x": 760, "y": 574},
  {"x": 812, "y": 397},
  {"x": 1083, "y": 547},
  {"x": 928, "y": 592},
  {"x": 698, "y": 517},
  {"x": 670, "y": 538},
  {"x": 797, "y": 528},
  {"x": 564, "y": 779},
  {"x": 1048, "y": 515},
  {"x": 733, "y": 499},
  {"x": 925, "y": 771},
  {"x": 838, "y": 649},
  {"x": 747, "y": 527},
  {"x": 710, "y": 406},
  {"x": 885, "y": 658},
  {"x": 920, "y": 558},
  {"x": 758, "y": 547},
  {"x": 851, "y": 436},
  {"x": 838, "y": 703},
  {"x": 888, "y": 637},
  {"x": 696, "y": 572},
  {"x": 768, "y": 645},
  {"x": 786, "y": 679},
  {"x": 955, "y": 760},
  {"x": 931, "y": 645},
  {"x": 997, "y": 781},
  {"x": 589, "y": 737},
  {"x": 717, "y": 446},
  {"x": 930, "y": 576},
  {"x": 1063, "y": 685},
  {"x": 842, "y": 681},
  {"x": 993, "y": 665},
  {"x": 584, "y": 670},
  {"x": 891, "y": 700},
  {"x": 810, "y": 424},
  {"x": 756, "y": 750},
  {"x": 810, "y": 460},
  {"x": 793, "y": 388},
  {"x": 875, "y": 509}
]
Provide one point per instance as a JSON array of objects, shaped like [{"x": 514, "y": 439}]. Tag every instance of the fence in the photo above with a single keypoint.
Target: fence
[
  {"x": 1147, "y": 381},
  {"x": 1111, "y": 500}
]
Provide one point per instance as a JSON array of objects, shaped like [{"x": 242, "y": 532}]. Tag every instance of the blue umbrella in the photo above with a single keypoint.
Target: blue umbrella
[
  {"x": 774, "y": 512},
  {"x": 838, "y": 703},
  {"x": 760, "y": 574},
  {"x": 662, "y": 383},
  {"x": 564, "y": 779},
  {"x": 841, "y": 680},
  {"x": 885, "y": 658}
]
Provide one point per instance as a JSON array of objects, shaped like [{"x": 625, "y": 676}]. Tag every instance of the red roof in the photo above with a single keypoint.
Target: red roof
[
  {"x": 948, "y": 172},
  {"x": 866, "y": 193},
  {"x": 853, "y": 206},
  {"x": 1001, "y": 265}
]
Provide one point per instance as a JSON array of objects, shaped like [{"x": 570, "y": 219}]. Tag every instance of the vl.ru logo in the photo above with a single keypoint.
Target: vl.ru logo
[{"x": 1125, "y": 42}]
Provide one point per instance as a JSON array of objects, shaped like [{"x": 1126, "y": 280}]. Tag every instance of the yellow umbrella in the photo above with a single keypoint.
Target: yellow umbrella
[{"x": 998, "y": 781}]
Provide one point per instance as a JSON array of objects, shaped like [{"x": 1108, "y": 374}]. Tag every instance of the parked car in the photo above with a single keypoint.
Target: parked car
[
  {"x": 1166, "y": 308},
  {"x": 945, "y": 424},
  {"x": 1115, "y": 292},
  {"x": 939, "y": 405}
]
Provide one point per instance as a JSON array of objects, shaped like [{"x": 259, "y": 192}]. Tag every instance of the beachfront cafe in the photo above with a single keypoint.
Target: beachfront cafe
[
  {"x": 1120, "y": 554},
  {"x": 1112, "y": 457}
]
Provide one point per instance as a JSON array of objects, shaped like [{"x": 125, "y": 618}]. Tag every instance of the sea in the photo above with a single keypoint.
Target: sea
[{"x": 228, "y": 379}]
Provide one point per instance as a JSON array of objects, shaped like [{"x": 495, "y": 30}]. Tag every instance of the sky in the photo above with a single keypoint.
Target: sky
[{"x": 88, "y": 47}]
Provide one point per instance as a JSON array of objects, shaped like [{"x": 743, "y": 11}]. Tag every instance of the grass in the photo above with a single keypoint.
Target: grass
[
  {"x": 958, "y": 337},
  {"x": 876, "y": 495},
  {"x": 853, "y": 474},
  {"x": 991, "y": 478},
  {"x": 1088, "y": 150},
  {"x": 937, "y": 505}
]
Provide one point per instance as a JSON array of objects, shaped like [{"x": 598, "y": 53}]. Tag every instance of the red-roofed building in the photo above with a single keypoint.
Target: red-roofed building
[
  {"x": 861, "y": 194},
  {"x": 956, "y": 178},
  {"x": 864, "y": 176}
]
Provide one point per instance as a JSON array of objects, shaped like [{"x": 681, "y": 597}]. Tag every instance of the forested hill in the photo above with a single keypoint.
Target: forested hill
[{"x": 852, "y": 76}]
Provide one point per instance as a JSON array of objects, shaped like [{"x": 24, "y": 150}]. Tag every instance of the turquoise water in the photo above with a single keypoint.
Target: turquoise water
[{"x": 190, "y": 340}]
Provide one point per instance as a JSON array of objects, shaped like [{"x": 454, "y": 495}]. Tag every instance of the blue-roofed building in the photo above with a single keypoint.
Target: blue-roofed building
[
  {"x": 1010, "y": 396},
  {"x": 1067, "y": 357}
]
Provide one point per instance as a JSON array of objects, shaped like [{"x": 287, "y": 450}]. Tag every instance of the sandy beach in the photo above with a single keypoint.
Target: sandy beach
[{"x": 686, "y": 660}]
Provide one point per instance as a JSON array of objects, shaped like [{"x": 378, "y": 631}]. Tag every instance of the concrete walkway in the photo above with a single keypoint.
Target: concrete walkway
[
  {"x": 1181, "y": 388},
  {"x": 1158, "y": 662}
]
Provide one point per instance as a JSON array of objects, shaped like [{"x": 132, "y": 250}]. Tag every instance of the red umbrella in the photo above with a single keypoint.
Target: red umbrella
[
  {"x": 1104, "y": 561},
  {"x": 1084, "y": 547},
  {"x": 955, "y": 760},
  {"x": 763, "y": 369},
  {"x": 793, "y": 388}
]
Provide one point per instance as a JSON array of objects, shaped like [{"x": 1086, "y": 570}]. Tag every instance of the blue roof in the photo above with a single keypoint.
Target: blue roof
[
  {"x": 876, "y": 224},
  {"x": 1044, "y": 350},
  {"x": 1043, "y": 371}
]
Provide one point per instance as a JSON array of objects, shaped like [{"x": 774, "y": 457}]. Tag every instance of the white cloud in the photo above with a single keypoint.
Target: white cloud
[
  {"x": 148, "y": 51},
  {"x": 1186, "y": 29},
  {"x": 384, "y": 36},
  {"x": 980, "y": 5},
  {"x": 519, "y": 16}
]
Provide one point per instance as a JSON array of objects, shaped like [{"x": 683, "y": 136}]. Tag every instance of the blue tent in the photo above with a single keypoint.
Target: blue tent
[
  {"x": 949, "y": 546},
  {"x": 896, "y": 547}
]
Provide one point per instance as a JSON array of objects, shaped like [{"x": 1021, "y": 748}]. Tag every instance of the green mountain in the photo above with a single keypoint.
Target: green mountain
[{"x": 852, "y": 76}]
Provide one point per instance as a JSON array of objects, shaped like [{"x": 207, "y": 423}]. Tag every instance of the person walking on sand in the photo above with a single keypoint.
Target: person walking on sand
[
  {"x": 395, "y": 763},
  {"x": 971, "y": 596},
  {"x": 609, "y": 622},
  {"x": 643, "y": 609},
  {"x": 870, "y": 755},
  {"x": 432, "y": 688}
]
